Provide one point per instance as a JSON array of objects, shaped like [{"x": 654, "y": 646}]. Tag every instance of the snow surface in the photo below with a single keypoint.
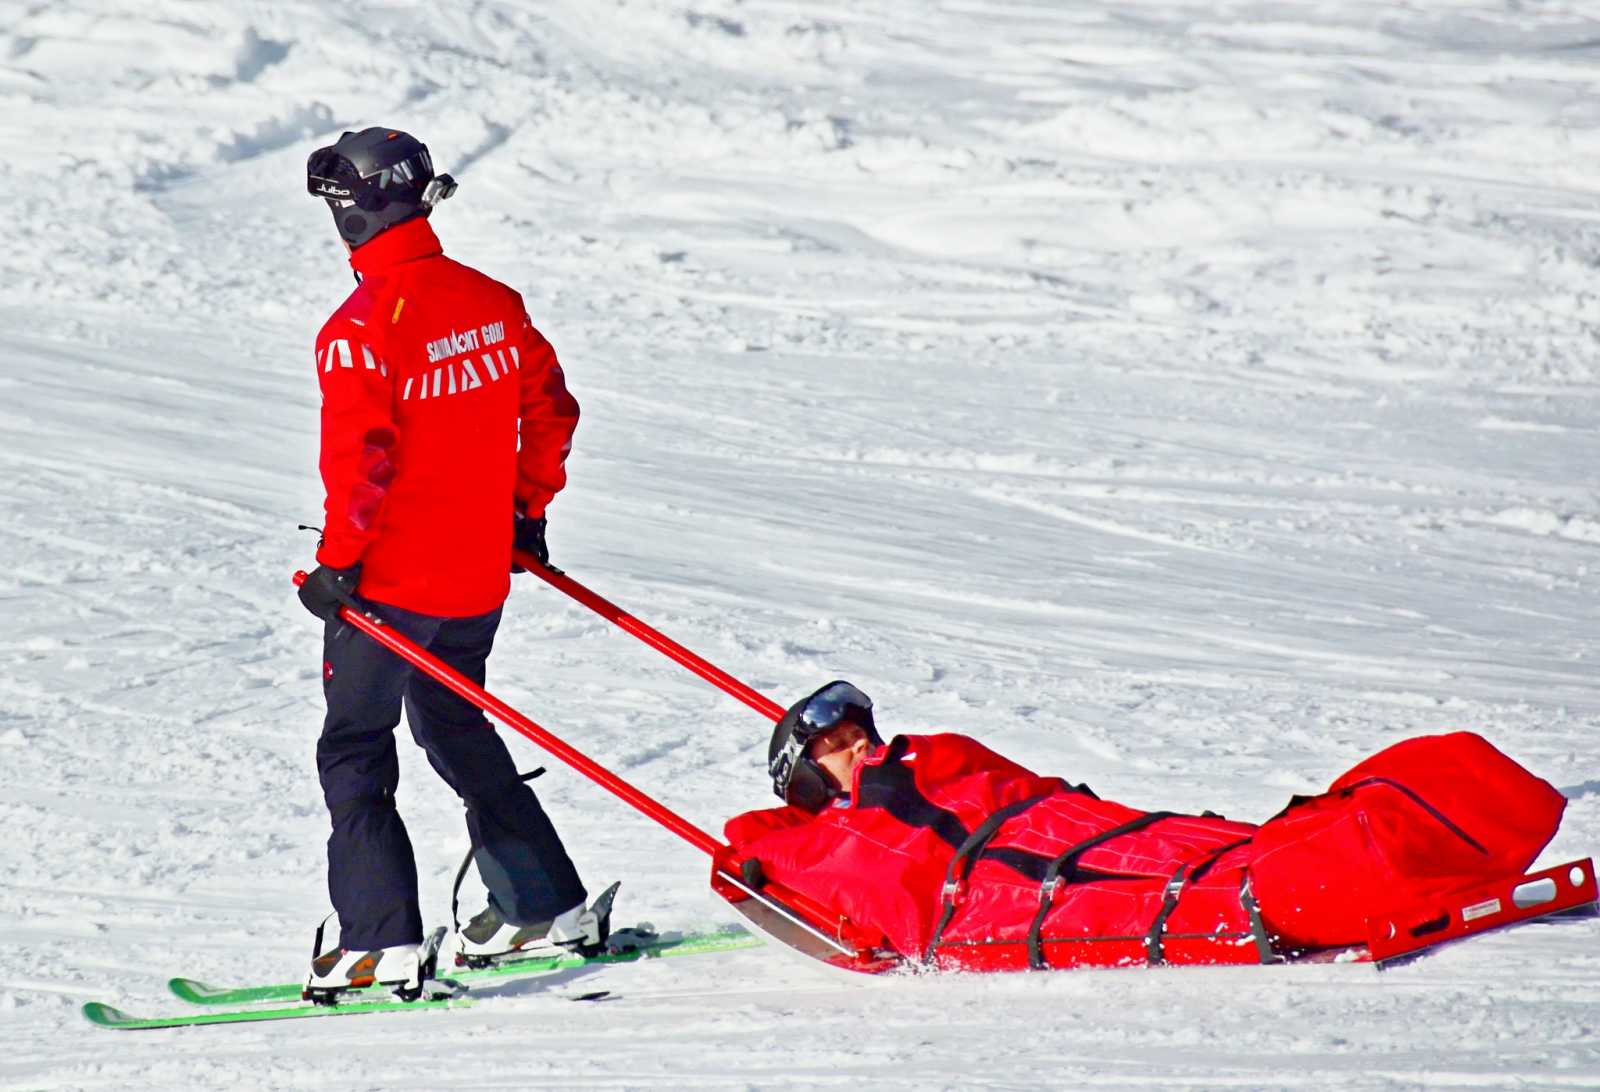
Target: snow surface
[{"x": 1188, "y": 398}]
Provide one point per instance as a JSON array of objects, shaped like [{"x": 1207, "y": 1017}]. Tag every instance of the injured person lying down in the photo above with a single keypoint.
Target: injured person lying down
[{"x": 944, "y": 847}]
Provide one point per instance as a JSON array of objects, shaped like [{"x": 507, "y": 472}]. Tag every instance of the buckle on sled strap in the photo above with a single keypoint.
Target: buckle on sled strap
[
  {"x": 1068, "y": 861},
  {"x": 1258, "y": 928},
  {"x": 1174, "y": 891},
  {"x": 966, "y": 856},
  {"x": 1169, "y": 903}
]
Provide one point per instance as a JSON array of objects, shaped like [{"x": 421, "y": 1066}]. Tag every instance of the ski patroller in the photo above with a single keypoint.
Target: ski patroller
[{"x": 826, "y": 935}]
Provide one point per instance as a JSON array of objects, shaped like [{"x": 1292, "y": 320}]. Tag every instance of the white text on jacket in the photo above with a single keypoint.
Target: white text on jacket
[{"x": 466, "y": 341}]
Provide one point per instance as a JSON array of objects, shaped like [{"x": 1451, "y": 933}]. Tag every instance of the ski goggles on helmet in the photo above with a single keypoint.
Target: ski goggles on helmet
[
  {"x": 332, "y": 176},
  {"x": 833, "y": 705}
]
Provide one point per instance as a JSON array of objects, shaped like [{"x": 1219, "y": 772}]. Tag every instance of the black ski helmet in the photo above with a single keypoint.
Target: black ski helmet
[
  {"x": 375, "y": 179},
  {"x": 797, "y": 779}
]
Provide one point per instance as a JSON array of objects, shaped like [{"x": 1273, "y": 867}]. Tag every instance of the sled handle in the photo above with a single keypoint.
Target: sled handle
[
  {"x": 447, "y": 676},
  {"x": 650, "y": 636}
]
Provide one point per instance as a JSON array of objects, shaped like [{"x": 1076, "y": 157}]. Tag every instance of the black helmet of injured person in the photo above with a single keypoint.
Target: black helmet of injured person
[{"x": 796, "y": 778}]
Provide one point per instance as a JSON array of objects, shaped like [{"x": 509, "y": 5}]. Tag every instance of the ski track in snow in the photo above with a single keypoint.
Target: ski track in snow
[{"x": 1186, "y": 398}]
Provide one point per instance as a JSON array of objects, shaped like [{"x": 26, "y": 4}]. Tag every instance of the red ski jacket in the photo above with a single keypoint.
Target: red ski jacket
[
  {"x": 442, "y": 407},
  {"x": 961, "y": 857}
]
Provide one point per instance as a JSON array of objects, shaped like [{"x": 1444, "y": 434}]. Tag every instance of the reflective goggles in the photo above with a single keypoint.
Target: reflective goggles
[{"x": 831, "y": 706}]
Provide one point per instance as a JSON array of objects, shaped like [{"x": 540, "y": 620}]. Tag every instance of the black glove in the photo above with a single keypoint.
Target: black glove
[
  {"x": 326, "y": 590},
  {"x": 527, "y": 535}
]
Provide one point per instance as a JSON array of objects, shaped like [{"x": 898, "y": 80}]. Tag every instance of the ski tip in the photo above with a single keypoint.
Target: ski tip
[
  {"x": 191, "y": 990},
  {"x": 106, "y": 1016}
]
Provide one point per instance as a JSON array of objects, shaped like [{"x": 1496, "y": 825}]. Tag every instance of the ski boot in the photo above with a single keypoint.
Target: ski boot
[
  {"x": 489, "y": 938},
  {"x": 407, "y": 969}
]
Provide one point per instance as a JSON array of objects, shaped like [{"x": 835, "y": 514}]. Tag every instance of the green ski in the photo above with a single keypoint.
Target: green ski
[
  {"x": 199, "y": 993},
  {"x": 107, "y": 1016}
]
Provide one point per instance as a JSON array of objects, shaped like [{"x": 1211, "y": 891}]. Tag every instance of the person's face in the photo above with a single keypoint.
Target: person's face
[{"x": 839, "y": 751}]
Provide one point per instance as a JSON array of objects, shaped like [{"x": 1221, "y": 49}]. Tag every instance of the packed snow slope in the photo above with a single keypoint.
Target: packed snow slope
[{"x": 1186, "y": 398}]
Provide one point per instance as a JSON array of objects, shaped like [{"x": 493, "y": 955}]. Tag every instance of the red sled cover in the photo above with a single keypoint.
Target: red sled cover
[
  {"x": 1417, "y": 820},
  {"x": 959, "y": 858}
]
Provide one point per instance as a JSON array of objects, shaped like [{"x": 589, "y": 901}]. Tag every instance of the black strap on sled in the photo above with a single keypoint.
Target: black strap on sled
[
  {"x": 1169, "y": 903},
  {"x": 466, "y": 863},
  {"x": 966, "y": 857},
  {"x": 1068, "y": 860},
  {"x": 1176, "y": 884},
  {"x": 1258, "y": 928}
]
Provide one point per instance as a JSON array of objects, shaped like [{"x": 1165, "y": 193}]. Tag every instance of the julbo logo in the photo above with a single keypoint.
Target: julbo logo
[{"x": 331, "y": 190}]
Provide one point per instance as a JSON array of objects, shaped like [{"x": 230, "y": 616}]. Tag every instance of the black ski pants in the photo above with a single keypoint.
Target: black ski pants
[{"x": 372, "y": 874}]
